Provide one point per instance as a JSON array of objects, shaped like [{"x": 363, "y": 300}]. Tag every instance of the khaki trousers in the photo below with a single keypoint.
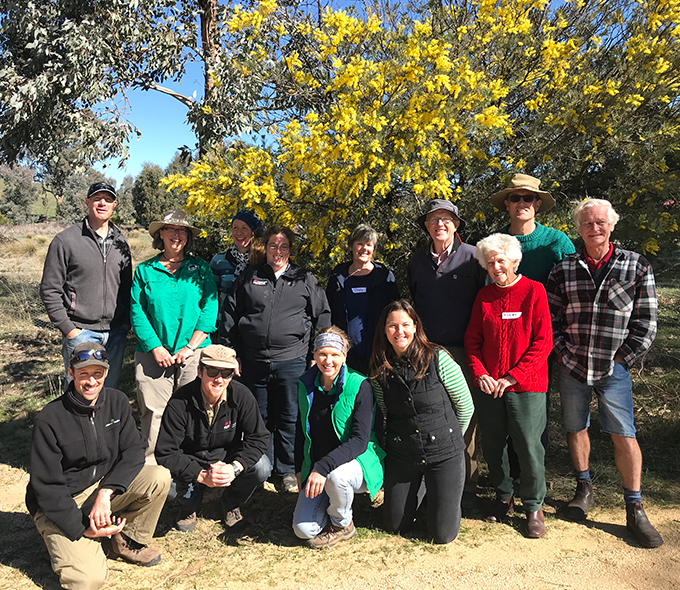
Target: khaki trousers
[
  {"x": 155, "y": 386},
  {"x": 81, "y": 564}
]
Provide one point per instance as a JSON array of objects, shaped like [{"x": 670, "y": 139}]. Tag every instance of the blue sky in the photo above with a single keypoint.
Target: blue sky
[{"x": 162, "y": 122}]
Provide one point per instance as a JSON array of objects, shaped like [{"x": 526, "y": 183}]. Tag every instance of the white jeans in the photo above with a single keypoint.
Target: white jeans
[{"x": 335, "y": 502}]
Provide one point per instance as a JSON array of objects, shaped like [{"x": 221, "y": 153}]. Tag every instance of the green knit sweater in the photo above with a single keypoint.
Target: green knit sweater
[{"x": 542, "y": 249}]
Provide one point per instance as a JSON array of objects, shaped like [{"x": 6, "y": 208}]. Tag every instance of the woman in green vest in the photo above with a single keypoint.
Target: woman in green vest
[{"x": 336, "y": 451}]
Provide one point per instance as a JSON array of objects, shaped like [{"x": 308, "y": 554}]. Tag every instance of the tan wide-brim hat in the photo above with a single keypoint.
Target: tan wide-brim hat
[
  {"x": 523, "y": 182},
  {"x": 173, "y": 217}
]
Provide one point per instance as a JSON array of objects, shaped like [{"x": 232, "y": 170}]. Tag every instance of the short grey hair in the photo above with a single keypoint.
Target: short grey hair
[
  {"x": 501, "y": 244},
  {"x": 362, "y": 233},
  {"x": 612, "y": 216}
]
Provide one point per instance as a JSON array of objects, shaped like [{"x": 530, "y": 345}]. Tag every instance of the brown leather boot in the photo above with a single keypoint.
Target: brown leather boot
[
  {"x": 535, "y": 524},
  {"x": 583, "y": 501},
  {"x": 501, "y": 509},
  {"x": 638, "y": 524},
  {"x": 133, "y": 552}
]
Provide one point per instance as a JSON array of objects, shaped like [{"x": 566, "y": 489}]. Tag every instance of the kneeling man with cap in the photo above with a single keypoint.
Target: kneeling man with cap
[
  {"x": 212, "y": 434},
  {"x": 88, "y": 478}
]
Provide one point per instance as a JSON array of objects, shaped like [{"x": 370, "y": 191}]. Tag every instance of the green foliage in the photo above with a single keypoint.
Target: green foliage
[
  {"x": 150, "y": 199},
  {"x": 18, "y": 194},
  {"x": 124, "y": 213}
]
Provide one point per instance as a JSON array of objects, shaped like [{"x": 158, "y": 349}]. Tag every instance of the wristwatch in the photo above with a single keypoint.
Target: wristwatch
[
  {"x": 237, "y": 468},
  {"x": 191, "y": 348}
]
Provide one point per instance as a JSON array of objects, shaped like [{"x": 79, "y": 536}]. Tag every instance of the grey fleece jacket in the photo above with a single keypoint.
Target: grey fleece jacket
[{"x": 80, "y": 287}]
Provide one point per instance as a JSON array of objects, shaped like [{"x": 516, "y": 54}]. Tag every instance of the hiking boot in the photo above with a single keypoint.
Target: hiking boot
[
  {"x": 332, "y": 535},
  {"x": 289, "y": 483},
  {"x": 232, "y": 518},
  {"x": 500, "y": 509},
  {"x": 128, "y": 549},
  {"x": 535, "y": 524},
  {"x": 638, "y": 524},
  {"x": 187, "y": 523},
  {"x": 583, "y": 501}
]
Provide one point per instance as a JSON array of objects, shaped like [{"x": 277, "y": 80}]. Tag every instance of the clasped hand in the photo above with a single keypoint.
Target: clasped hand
[
  {"x": 102, "y": 522},
  {"x": 495, "y": 387},
  {"x": 219, "y": 475}
]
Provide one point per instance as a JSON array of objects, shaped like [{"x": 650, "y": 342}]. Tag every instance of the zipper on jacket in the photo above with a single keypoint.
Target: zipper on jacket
[{"x": 96, "y": 445}]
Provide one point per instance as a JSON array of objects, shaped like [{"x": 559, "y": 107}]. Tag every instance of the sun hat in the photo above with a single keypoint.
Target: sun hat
[
  {"x": 251, "y": 220},
  {"x": 173, "y": 217},
  {"x": 523, "y": 182},
  {"x": 218, "y": 356},
  {"x": 435, "y": 205},
  {"x": 86, "y": 354}
]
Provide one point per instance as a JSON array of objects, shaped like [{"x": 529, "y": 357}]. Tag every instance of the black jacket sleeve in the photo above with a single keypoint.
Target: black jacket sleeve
[
  {"x": 48, "y": 482},
  {"x": 184, "y": 468}
]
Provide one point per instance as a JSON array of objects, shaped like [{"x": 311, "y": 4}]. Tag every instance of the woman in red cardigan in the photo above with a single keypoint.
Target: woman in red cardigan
[{"x": 507, "y": 344}]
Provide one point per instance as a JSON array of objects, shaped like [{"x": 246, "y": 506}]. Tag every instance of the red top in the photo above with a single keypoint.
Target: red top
[
  {"x": 595, "y": 265},
  {"x": 510, "y": 332}
]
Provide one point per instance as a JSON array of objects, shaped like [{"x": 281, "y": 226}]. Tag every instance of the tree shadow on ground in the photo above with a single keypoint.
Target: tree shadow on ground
[{"x": 21, "y": 548}]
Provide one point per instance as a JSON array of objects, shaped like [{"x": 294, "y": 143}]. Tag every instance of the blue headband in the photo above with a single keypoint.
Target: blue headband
[{"x": 328, "y": 339}]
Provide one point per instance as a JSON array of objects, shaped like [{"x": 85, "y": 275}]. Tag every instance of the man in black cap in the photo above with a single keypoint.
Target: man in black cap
[
  {"x": 444, "y": 279},
  {"x": 86, "y": 282},
  {"x": 212, "y": 435},
  {"x": 88, "y": 478}
]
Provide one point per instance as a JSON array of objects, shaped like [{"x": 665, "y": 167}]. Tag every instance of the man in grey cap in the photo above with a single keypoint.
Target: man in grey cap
[
  {"x": 212, "y": 435},
  {"x": 86, "y": 282},
  {"x": 88, "y": 478},
  {"x": 542, "y": 247},
  {"x": 444, "y": 279}
]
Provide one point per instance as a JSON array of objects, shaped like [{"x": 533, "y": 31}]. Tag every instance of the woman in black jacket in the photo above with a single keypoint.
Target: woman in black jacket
[{"x": 357, "y": 292}]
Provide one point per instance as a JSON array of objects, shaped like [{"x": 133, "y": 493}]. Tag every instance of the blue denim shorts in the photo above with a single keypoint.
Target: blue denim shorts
[{"x": 614, "y": 402}]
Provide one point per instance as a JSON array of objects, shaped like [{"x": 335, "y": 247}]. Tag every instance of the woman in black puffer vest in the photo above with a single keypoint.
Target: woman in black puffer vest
[{"x": 427, "y": 406}]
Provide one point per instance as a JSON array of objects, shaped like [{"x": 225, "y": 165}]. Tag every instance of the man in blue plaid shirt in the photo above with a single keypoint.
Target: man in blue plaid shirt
[{"x": 603, "y": 306}]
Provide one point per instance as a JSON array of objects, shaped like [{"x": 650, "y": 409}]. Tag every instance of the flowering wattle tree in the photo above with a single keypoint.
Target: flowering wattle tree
[{"x": 582, "y": 94}]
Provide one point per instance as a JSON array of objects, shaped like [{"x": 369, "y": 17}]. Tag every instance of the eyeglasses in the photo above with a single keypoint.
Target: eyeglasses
[
  {"x": 214, "y": 372},
  {"x": 526, "y": 198},
  {"x": 83, "y": 355},
  {"x": 438, "y": 220},
  {"x": 281, "y": 248}
]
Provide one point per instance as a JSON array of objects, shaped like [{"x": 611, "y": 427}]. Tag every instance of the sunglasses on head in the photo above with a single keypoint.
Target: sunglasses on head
[
  {"x": 214, "y": 372},
  {"x": 526, "y": 198},
  {"x": 84, "y": 355}
]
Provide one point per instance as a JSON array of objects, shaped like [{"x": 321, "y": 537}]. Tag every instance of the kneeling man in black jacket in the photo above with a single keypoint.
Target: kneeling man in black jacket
[
  {"x": 213, "y": 435},
  {"x": 88, "y": 478}
]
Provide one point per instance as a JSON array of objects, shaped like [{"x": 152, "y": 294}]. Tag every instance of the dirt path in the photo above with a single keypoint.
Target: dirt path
[{"x": 599, "y": 555}]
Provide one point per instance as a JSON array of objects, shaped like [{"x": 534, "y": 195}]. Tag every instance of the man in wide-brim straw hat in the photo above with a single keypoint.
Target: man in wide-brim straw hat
[
  {"x": 542, "y": 247},
  {"x": 444, "y": 279}
]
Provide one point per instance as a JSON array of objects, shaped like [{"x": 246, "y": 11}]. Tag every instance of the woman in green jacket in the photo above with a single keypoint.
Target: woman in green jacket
[
  {"x": 336, "y": 452},
  {"x": 173, "y": 309}
]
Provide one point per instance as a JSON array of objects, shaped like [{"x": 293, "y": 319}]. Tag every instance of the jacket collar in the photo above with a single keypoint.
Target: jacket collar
[{"x": 78, "y": 404}]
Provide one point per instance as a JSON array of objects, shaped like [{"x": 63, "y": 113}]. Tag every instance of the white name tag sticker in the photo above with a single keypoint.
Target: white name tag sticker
[
  {"x": 511, "y": 315},
  {"x": 358, "y": 289}
]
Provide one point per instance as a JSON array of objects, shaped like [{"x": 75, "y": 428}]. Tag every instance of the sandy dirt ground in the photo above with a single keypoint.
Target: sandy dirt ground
[{"x": 597, "y": 555}]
